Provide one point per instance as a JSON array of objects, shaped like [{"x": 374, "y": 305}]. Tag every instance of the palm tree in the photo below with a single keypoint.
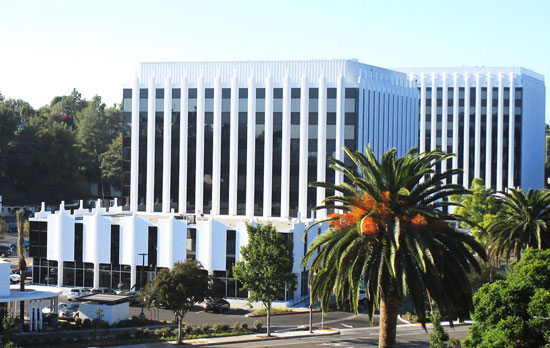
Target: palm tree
[
  {"x": 20, "y": 218},
  {"x": 523, "y": 223},
  {"x": 393, "y": 235}
]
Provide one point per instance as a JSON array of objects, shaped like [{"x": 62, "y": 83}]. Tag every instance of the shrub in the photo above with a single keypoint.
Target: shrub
[
  {"x": 163, "y": 332},
  {"x": 87, "y": 323},
  {"x": 9, "y": 324},
  {"x": 225, "y": 327},
  {"x": 258, "y": 325},
  {"x": 244, "y": 326},
  {"x": 11, "y": 345},
  {"x": 187, "y": 329},
  {"x": 142, "y": 333},
  {"x": 217, "y": 328},
  {"x": 204, "y": 329},
  {"x": 236, "y": 326}
]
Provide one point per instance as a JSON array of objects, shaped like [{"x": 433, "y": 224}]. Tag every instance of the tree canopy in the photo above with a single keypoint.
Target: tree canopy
[
  {"x": 265, "y": 268},
  {"x": 514, "y": 313}
]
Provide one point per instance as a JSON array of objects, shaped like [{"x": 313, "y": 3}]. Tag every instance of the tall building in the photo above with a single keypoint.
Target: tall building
[
  {"x": 491, "y": 118},
  {"x": 245, "y": 138},
  {"x": 208, "y": 147}
]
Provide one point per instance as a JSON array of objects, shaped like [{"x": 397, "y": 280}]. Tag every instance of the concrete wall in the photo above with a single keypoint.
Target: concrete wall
[{"x": 111, "y": 313}]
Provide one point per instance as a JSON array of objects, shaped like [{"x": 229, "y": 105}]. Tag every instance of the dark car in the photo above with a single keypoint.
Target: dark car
[
  {"x": 5, "y": 251},
  {"x": 218, "y": 305},
  {"x": 69, "y": 312},
  {"x": 14, "y": 245}
]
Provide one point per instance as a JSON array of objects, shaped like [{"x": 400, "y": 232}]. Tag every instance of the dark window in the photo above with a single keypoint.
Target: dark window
[
  {"x": 191, "y": 243},
  {"x": 78, "y": 239},
  {"x": 143, "y": 93},
  {"x": 127, "y": 93},
  {"x": 152, "y": 246},
  {"x": 159, "y": 93},
  {"x": 115, "y": 243}
]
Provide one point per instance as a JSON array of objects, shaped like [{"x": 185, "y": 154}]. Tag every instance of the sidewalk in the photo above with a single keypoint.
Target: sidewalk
[{"x": 260, "y": 337}]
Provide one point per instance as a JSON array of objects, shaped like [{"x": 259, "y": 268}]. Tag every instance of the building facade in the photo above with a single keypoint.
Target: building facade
[
  {"x": 492, "y": 118},
  {"x": 209, "y": 147}
]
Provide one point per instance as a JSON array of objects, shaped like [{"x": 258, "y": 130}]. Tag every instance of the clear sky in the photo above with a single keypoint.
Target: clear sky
[{"x": 49, "y": 47}]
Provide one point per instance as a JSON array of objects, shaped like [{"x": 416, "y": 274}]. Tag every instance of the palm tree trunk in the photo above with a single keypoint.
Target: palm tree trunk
[{"x": 388, "y": 321}]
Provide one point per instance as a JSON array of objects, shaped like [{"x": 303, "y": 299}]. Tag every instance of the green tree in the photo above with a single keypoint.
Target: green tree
[
  {"x": 111, "y": 163},
  {"x": 521, "y": 224},
  {"x": 265, "y": 269},
  {"x": 513, "y": 313},
  {"x": 439, "y": 338},
  {"x": 4, "y": 228},
  {"x": 186, "y": 284},
  {"x": 477, "y": 209},
  {"x": 393, "y": 234}
]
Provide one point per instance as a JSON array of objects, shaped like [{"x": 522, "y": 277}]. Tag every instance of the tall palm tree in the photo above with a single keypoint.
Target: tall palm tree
[
  {"x": 524, "y": 222},
  {"x": 392, "y": 234},
  {"x": 20, "y": 218}
]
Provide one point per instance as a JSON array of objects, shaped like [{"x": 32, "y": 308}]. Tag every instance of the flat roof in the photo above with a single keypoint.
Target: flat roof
[
  {"x": 109, "y": 299},
  {"x": 31, "y": 293}
]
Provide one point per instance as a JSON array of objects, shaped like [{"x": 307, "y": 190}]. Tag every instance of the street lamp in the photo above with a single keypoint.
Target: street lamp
[{"x": 141, "y": 277}]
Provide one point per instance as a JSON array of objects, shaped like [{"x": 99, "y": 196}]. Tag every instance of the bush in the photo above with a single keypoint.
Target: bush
[
  {"x": 143, "y": 333},
  {"x": 9, "y": 324},
  {"x": 204, "y": 329},
  {"x": 217, "y": 328},
  {"x": 258, "y": 325},
  {"x": 225, "y": 327},
  {"x": 11, "y": 345},
  {"x": 187, "y": 329},
  {"x": 244, "y": 326},
  {"x": 164, "y": 332},
  {"x": 87, "y": 323},
  {"x": 236, "y": 326}
]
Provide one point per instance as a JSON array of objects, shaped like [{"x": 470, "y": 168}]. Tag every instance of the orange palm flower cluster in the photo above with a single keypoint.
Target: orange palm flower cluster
[
  {"x": 369, "y": 226},
  {"x": 419, "y": 221}
]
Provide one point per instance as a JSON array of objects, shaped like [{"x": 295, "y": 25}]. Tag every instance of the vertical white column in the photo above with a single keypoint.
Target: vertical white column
[
  {"x": 268, "y": 147},
  {"x": 167, "y": 147},
  {"x": 233, "y": 147},
  {"x": 455, "y": 125},
  {"x": 477, "y": 144},
  {"x": 40, "y": 315},
  {"x": 321, "y": 144},
  {"x": 199, "y": 170},
  {"x": 511, "y": 131},
  {"x": 96, "y": 266},
  {"x": 184, "y": 115},
  {"x": 302, "y": 174},
  {"x": 151, "y": 118},
  {"x": 134, "y": 157},
  {"x": 285, "y": 149},
  {"x": 361, "y": 114},
  {"x": 31, "y": 312},
  {"x": 251, "y": 147},
  {"x": 444, "y": 121},
  {"x": 489, "y": 133},
  {"x": 35, "y": 315},
  {"x": 422, "y": 113},
  {"x": 340, "y": 126},
  {"x": 500, "y": 127},
  {"x": 376, "y": 129},
  {"x": 466, "y": 149},
  {"x": 216, "y": 148},
  {"x": 433, "y": 130}
]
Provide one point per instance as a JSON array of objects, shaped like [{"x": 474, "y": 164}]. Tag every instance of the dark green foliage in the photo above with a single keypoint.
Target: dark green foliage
[
  {"x": 257, "y": 325},
  {"x": 265, "y": 269},
  {"x": 439, "y": 338},
  {"x": 523, "y": 223},
  {"x": 514, "y": 312}
]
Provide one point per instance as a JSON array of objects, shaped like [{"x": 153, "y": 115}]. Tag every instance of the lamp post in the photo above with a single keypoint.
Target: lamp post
[{"x": 141, "y": 277}]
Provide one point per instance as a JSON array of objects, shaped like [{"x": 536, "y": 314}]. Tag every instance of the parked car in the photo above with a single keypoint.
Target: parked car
[
  {"x": 13, "y": 246},
  {"x": 69, "y": 312},
  {"x": 5, "y": 251},
  {"x": 75, "y": 293},
  {"x": 15, "y": 278},
  {"x": 101, "y": 291},
  {"x": 217, "y": 305}
]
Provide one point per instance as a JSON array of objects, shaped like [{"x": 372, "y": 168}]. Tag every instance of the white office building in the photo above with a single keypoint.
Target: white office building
[
  {"x": 210, "y": 146},
  {"x": 492, "y": 118}
]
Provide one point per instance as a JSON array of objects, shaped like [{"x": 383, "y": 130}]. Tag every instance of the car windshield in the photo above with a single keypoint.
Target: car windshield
[{"x": 71, "y": 307}]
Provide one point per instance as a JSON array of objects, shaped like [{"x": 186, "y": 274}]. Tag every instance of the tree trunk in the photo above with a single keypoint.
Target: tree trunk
[
  {"x": 22, "y": 303},
  {"x": 179, "y": 329},
  {"x": 269, "y": 321},
  {"x": 388, "y": 321}
]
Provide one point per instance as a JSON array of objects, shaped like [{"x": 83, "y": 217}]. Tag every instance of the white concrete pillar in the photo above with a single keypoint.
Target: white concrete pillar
[
  {"x": 511, "y": 131},
  {"x": 233, "y": 147},
  {"x": 134, "y": 156},
  {"x": 433, "y": 130},
  {"x": 455, "y": 125},
  {"x": 422, "y": 113},
  {"x": 340, "y": 126},
  {"x": 444, "y": 122},
  {"x": 151, "y": 118},
  {"x": 304, "y": 127},
  {"x": 477, "y": 135},
  {"x": 96, "y": 271},
  {"x": 321, "y": 144},
  {"x": 167, "y": 147},
  {"x": 376, "y": 129},
  {"x": 59, "y": 272},
  {"x": 466, "y": 149},
  {"x": 489, "y": 133},
  {"x": 216, "y": 151},
  {"x": 500, "y": 129},
  {"x": 31, "y": 315},
  {"x": 268, "y": 147},
  {"x": 199, "y": 169},
  {"x": 133, "y": 275},
  {"x": 250, "y": 147},
  {"x": 40, "y": 315},
  {"x": 184, "y": 115},
  {"x": 285, "y": 149}
]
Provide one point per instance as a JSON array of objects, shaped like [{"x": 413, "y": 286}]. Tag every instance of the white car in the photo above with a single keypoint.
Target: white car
[
  {"x": 74, "y": 293},
  {"x": 15, "y": 278}
]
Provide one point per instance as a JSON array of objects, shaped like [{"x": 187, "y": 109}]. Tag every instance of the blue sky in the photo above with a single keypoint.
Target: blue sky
[{"x": 49, "y": 47}]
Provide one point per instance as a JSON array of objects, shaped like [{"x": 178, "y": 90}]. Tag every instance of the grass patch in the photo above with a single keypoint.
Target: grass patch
[{"x": 263, "y": 311}]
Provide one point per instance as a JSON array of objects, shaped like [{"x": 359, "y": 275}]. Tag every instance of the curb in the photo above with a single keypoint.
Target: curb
[
  {"x": 283, "y": 313},
  {"x": 254, "y": 338}
]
